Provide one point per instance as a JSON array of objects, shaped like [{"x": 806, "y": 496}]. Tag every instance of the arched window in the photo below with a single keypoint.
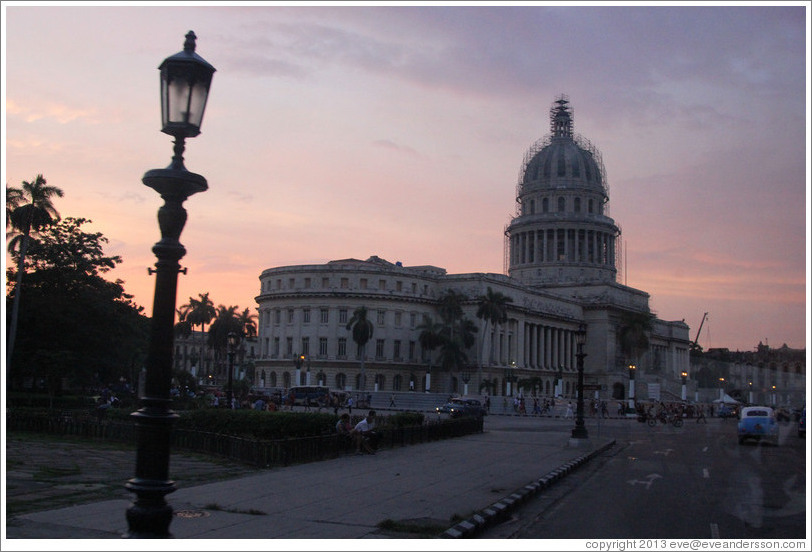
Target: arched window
[
  {"x": 545, "y": 205},
  {"x": 397, "y": 382},
  {"x": 286, "y": 379},
  {"x": 532, "y": 206},
  {"x": 272, "y": 380},
  {"x": 562, "y": 203},
  {"x": 577, "y": 204},
  {"x": 590, "y": 207},
  {"x": 380, "y": 381},
  {"x": 341, "y": 381}
]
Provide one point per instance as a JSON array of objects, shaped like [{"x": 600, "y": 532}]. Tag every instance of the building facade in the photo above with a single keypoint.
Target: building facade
[{"x": 561, "y": 272}]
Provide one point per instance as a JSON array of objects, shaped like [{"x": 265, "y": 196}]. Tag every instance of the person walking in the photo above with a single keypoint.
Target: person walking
[
  {"x": 569, "y": 411},
  {"x": 349, "y": 404},
  {"x": 392, "y": 400},
  {"x": 701, "y": 414}
]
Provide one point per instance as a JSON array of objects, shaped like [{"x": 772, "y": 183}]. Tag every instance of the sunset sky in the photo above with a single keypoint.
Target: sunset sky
[{"x": 399, "y": 131}]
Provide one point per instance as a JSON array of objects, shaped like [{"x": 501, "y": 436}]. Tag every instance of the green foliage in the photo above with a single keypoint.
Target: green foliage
[
  {"x": 258, "y": 424},
  {"x": 73, "y": 324},
  {"x": 405, "y": 419}
]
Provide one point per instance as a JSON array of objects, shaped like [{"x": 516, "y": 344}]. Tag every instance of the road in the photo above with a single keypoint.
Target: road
[{"x": 694, "y": 482}]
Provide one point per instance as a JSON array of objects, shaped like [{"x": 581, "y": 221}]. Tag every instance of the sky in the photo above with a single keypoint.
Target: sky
[{"x": 340, "y": 131}]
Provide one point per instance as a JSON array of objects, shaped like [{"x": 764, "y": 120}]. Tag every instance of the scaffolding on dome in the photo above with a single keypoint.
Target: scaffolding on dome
[{"x": 561, "y": 125}]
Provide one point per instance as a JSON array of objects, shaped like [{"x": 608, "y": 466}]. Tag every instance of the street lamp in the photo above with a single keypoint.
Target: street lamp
[
  {"x": 185, "y": 82},
  {"x": 233, "y": 339},
  {"x": 509, "y": 380},
  {"x": 632, "y": 371},
  {"x": 466, "y": 377},
  {"x": 579, "y": 431},
  {"x": 722, "y": 390},
  {"x": 684, "y": 381},
  {"x": 750, "y": 394}
]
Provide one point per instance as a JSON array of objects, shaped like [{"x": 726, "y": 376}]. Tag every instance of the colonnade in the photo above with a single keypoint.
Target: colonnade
[
  {"x": 563, "y": 244},
  {"x": 547, "y": 347}
]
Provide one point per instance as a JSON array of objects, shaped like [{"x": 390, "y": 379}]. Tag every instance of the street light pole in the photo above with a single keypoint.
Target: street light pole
[
  {"x": 579, "y": 431},
  {"x": 684, "y": 382},
  {"x": 632, "y": 371},
  {"x": 185, "y": 80},
  {"x": 232, "y": 351}
]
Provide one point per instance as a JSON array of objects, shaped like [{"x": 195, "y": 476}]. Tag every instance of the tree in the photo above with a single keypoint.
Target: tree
[
  {"x": 199, "y": 312},
  {"x": 429, "y": 336},
  {"x": 74, "y": 324},
  {"x": 457, "y": 332},
  {"x": 492, "y": 309},
  {"x": 633, "y": 333},
  {"x": 362, "y": 330},
  {"x": 28, "y": 210}
]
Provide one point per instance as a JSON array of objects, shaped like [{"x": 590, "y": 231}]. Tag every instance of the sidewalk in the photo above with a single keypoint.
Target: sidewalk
[{"x": 444, "y": 482}]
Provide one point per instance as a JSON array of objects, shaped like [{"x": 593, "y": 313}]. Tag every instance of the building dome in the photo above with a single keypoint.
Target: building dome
[
  {"x": 562, "y": 233},
  {"x": 562, "y": 160}
]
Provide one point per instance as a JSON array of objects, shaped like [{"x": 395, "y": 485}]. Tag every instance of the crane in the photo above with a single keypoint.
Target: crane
[{"x": 695, "y": 344}]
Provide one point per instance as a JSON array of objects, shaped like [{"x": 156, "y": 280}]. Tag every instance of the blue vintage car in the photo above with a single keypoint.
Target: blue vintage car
[{"x": 758, "y": 423}]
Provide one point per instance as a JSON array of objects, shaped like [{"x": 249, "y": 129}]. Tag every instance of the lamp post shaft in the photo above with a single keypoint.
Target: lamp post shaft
[{"x": 150, "y": 516}]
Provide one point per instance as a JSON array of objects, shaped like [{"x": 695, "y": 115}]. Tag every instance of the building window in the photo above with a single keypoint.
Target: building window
[
  {"x": 532, "y": 206},
  {"x": 412, "y": 319},
  {"x": 342, "y": 347},
  {"x": 276, "y": 347},
  {"x": 382, "y": 285},
  {"x": 398, "y": 319},
  {"x": 545, "y": 205},
  {"x": 396, "y": 352},
  {"x": 322, "y": 346},
  {"x": 397, "y": 382},
  {"x": 577, "y": 205},
  {"x": 290, "y": 316},
  {"x": 277, "y": 316},
  {"x": 345, "y": 283},
  {"x": 279, "y": 283},
  {"x": 363, "y": 283},
  {"x": 325, "y": 283},
  {"x": 324, "y": 315},
  {"x": 306, "y": 316},
  {"x": 590, "y": 207},
  {"x": 306, "y": 346},
  {"x": 342, "y": 316},
  {"x": 381, "y": 317},
  {"x": 414, "y": 287},
  {"x": 412, "y": 349},
  {"x": 379, "y": 345},
  {"x": 399, "y": 285},
  {"x": 307, "y": 283},
  {"x": 562, "y": 203},
  {"x": 291, "y": 283},
  {"x": 288, "y": 346}
]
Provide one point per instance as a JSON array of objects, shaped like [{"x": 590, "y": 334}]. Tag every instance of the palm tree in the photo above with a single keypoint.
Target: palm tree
[
  {"x": 362, "y": 330},
  {"x": 633, "y": 333},
  {"x": 199, "y": 312},
  {"x": 492, "y": 309},
  {"x": 248, "y": 323},
  {"x": 429, "y": 336},
  {"x": 28, "y": 210}
]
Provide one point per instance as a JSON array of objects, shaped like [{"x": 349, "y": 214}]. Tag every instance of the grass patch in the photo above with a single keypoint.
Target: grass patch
[{"x": 45, "y": 473}]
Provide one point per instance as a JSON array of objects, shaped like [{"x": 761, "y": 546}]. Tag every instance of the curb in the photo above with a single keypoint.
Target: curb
[{"x": 499, "y": 510}]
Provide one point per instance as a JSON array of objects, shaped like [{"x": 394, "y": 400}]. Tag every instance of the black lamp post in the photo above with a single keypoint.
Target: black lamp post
[
  {"x": 632, "y": 370},
  {"x": 579, "y": 431},
  {"x": 185, "y": 82},
  {"x": 232, "y": 350}
]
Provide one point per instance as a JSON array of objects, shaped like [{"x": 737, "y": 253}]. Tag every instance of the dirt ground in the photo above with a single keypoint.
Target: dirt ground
[{"x": 43, "y": 472}]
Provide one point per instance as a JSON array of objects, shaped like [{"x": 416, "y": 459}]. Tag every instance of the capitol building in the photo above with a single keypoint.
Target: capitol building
[{"x": 562, "y": 253}]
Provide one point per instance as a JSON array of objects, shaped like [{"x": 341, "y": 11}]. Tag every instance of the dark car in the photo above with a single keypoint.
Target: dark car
[{"x": 466, "y": 407}]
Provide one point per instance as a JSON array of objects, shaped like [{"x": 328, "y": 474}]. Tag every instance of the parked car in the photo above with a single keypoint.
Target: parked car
[
  {"x": 759, "y": 423},
  {"x": 802, "y": 424},
  {"x": 466, "y": 407}
]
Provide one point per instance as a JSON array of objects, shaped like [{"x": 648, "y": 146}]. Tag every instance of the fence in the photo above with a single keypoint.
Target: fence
[{"x": 253, "y": 452}]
